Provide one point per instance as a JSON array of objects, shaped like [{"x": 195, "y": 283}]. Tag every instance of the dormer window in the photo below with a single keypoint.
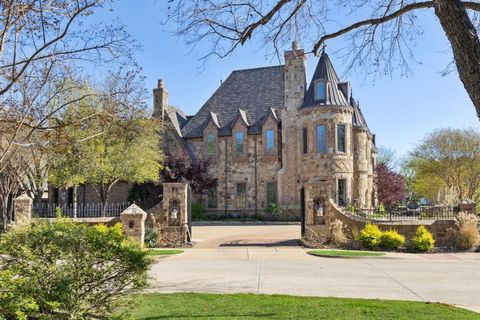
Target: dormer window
[
  {"x": 210, "y": 144},
  {"x": 320, "y": 90},
  {"x": 269, "y": 140},
  {"x": 239, "y": 141}
]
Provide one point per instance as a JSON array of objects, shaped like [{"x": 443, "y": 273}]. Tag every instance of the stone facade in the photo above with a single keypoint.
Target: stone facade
[{"x": 251, "y": 104}]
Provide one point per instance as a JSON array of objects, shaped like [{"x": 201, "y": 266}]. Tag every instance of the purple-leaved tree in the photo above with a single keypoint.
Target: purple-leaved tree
[{"x": 389, "y": 185}]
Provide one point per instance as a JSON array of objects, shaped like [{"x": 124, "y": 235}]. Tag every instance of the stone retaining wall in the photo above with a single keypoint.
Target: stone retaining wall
[{"x": 407, "y": 228}]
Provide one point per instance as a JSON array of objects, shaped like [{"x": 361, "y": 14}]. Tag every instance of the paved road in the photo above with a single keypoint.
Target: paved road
[{"x": 264, "y": 259}]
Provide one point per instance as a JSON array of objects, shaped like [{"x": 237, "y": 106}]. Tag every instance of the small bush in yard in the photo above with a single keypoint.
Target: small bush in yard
[
  {"x": 63, "y": 270},
  {"x": 198, "y": 211},
  {"x": 151, "y": 238},
  {"x": 370, "y": 236},
  {"x": 392, "y": 240},
  {"x": 467, "y": 235},
  {"x": 423, "y": 240},
  {"x": 337, "y": 235}
]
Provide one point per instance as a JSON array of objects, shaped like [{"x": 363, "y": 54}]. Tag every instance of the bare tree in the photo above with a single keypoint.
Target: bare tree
[
  {"x": 380, "y": 37},
  {"x": 46, "y": 48}
]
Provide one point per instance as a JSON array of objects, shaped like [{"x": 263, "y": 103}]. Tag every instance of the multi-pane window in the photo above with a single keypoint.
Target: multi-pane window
[
  {"x": 239, "y": 141},
  {"x": 241, "y": 195},
  {"x": 270, "y": 140},
  {"x": 210, "y": 144},
  {"x": 321, "y": 135},
  {"x": 342, "y": 191},
  {"x": 271, "y": 193},
  {"x": 341, "y": 138},
  {"x": 305, "y": 140},
  {"x": 212, "y": 197},
  {"x": 320, "y": 90}
]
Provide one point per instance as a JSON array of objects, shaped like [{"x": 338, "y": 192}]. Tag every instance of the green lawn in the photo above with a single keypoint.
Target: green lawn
[
  {"x": 249, "y": 306},
  {"x": 344, "y": 253},
  {"x": 163, "y": 252}
]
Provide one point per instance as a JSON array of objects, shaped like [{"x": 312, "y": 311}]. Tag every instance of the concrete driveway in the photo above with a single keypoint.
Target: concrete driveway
[{"x": 265, "y": 259}]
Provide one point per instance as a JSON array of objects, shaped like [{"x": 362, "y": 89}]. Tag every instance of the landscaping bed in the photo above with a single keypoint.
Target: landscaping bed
[{"x": 250, "y": 306}]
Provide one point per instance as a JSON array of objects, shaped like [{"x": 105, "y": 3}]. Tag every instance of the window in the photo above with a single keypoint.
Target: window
[
  {"x": 341, "y": 137},
  {"x": 305, "y": 140},
  {"x": 241, "y": 195},
  {"x": 320, "y": 90},
  {"x": 270, "y": 140},
  {"x": 341, "y": 191},
  {"x": 212, "y": 197},
  {"x": 271, "y": 193},
  {"x": 210, "y": 144},
  {"x": 239, "y": 141},
  {"x": 321, "y": 138}
]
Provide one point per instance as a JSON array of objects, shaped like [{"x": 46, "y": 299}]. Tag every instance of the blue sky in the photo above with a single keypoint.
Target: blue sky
[{"x": 400, "y": 110}]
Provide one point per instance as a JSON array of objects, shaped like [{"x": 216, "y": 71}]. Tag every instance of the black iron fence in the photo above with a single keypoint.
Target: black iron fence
[
  {"x": 402, "y": 213},
  {"x": 89, "y": 210}
]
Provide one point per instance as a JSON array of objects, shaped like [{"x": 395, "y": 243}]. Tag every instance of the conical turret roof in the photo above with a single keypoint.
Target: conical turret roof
[{"x": 325, "y": 72}]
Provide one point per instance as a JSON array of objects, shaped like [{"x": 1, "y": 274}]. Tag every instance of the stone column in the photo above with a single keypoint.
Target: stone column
[
  {"x": 22, "y": 210},
  {"x": 467, "y": 205},
  {"x": 133, "y": 223}
]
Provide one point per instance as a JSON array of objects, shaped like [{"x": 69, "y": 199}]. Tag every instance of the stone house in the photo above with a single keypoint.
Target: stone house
[{"x": 270, "y": 138}]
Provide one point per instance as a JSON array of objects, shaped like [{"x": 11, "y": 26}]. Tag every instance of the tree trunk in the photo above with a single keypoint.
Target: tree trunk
[
  {"x": 465, "y": 45},
  {"x": 4, "y": 212},
  {"x": 75, "y": 201}
]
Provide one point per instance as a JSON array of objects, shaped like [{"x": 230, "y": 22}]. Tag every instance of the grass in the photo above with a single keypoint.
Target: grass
[
  {"x": 344, "y": 253},
  {"x": 163, "y": 252},
  {"x": 249, "y": 306}
]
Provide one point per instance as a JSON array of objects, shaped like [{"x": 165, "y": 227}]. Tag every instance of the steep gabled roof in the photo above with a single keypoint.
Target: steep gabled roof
[
  {"x": 177, "y": 117},
  {"x": 325, "y": 71},
  {"x": 358, "y": 120},
  {"x": 254, "y": 91}
]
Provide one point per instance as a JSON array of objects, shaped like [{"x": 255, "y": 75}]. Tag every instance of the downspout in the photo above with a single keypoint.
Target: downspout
[
  {"x": 255, "y": 178},
  {"x": 225, "y": 182}
]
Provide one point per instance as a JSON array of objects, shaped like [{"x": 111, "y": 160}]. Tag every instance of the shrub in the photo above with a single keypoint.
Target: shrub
[
  {"x": 423, "y": 240},
  {"x": 467, "y": 235},
  {"x": 63, "y": 270},
  {"x": 337, "y": 236},
  {"x": 151, "y": 238},
  {"x": 370, "y": 236},
  {"x": 391, "y": 240},
  {"x": 198, "y": 211}
]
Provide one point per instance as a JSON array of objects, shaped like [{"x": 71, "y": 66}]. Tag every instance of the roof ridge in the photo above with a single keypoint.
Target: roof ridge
[{"x": 258, "y": 68}]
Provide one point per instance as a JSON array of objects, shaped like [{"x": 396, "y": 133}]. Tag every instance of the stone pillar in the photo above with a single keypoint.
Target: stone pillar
[
  {"x": 295, "y": 87},
  {"x": 467, "y": 205},
  {"x": 160, "y": 100},
  {"x": 22, "y": 210},
  {"x": 133, "y": 223}
]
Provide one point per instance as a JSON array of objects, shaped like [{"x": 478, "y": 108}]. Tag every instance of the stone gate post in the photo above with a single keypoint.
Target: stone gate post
[
  {"x": 133, "y": 223},
  {"x": 467, "y": 206},
  {"x": 22, "y": 210}
]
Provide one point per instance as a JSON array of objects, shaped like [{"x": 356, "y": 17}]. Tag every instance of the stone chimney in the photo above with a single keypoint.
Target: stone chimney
[
  {"x": 295, "y": 76},
  {"x": 160, "y": 100}
]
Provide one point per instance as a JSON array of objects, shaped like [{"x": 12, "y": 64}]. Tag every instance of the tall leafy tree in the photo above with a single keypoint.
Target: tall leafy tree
[
  {"x": 107, "y": 138},
  {"x": 446, "y": 161}
]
